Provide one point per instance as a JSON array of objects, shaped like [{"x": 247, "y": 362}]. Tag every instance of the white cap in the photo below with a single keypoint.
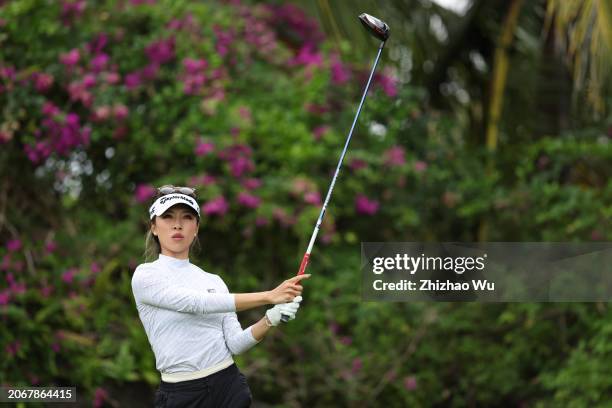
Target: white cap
[{"x": 164, "y": 202}]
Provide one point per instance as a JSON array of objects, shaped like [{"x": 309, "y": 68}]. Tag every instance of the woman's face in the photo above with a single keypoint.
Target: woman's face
[{"x": 178, "y": 221}]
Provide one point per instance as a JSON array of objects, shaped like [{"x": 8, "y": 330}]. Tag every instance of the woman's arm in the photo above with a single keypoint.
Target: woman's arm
[
  {"x": 151, "y": 288},
  {"x": 261, "y": 328},
  {"x": 283, "y": 293},
  {"x": 273, "y": 317},
  {"x": 246, "y": 301}
]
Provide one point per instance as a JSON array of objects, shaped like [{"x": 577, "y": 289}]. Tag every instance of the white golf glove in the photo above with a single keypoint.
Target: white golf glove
[{"x": 290, "y": 309}]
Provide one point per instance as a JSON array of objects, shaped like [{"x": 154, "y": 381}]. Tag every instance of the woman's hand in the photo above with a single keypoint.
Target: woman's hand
[
  {"x": 287, "y": 291},
  {"x": 275, "y": 314}
]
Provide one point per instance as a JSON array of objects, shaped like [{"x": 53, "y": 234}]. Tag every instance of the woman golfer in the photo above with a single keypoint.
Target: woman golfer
[{"x": 190, "y": 316}]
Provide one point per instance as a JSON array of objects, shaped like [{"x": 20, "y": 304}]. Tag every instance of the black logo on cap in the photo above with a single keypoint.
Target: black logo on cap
[{"x": 176, "y": 197}]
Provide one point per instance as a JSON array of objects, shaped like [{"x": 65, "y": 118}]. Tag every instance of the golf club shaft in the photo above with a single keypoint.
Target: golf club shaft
[{"x": 306, "y": 256}]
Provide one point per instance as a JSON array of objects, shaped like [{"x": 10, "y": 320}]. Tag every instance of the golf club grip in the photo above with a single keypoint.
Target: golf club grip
[{"x": 303, "y": 265}]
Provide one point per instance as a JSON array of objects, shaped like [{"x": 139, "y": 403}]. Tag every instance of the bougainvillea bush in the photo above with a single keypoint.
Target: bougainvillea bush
[{"x": 104, "y": 100}]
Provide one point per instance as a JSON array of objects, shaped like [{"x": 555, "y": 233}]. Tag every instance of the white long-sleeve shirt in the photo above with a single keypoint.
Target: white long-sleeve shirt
[{"x": 188, "y": 315}]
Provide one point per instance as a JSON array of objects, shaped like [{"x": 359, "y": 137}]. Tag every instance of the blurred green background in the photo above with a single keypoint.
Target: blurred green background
[{"x": 488, "y": 120}]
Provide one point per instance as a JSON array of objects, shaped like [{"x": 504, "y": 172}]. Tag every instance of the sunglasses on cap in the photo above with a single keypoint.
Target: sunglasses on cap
[{"x": 172, "y": 189}]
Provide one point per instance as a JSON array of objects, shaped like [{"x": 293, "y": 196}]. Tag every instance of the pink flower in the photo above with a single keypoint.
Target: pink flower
[
  {"x": 68, "y": 275},
  {"x": 301, "y": 186},
  {"x": 319, "y": 131},
  {"x": 144, "y": 192},
  {"x": 120, "y": 132},
  {"x": 357, "y": 164},
  {"x": 194, "y": 66},
  {"x": 70, "y": 58},
  {"x": 100, "y": 395},
  {"x": 55, "y": 346},
  {"x": 395, "y": 156},
  {"x": 43, "y": 82},
  {"x": 120, "y": 111},
  {"x": 187, "y": 23},
  {"x": 245, "y": 113},
  {"x": 216, "y": 206},
  {"x": 13, "y": 245},
  {"x": 112, "y": 78},
  {"x": 133, "y": 80},
  {"x": 224, "y": 40},
  {"x": 298, "y": 23},
  {"x": 6, "y": 263},
  {"x": 50, "y": 247},
  {"x": 5, "y": 297},
  {"x": 340, "y": 73},
  {"x": 61, "y": 134},
  {"x": 96, "y": 45},
  {"x": 34, "y": 380},
  {"x": 89, "y": 81},
  {"x": 357, "y": 365},
  {"x": 12, "y": 348},
  {"x": 410, "y": 383},
  {"x": 312, "y": 197},
  {"x": 98, "y": 63},
  {"x": 5, "y": 137},
  {"x": 202, "y": 148},
  {"x": 346, "y": 340},
  {"x": 46, "y": 291},
  {"x": 363, "y": 205},
  {"x": 420, "y": 166},
  {"x": 233, "y": 152},
  {"x": 334, "y": 327},
  {"x": 308, "y": 56},
  {"x": 160, "y": 52},
  {"x": 7, "y": 72},
  {"x": 596, "y": 236},
  {"x": 248, "y": 200},
  {"x": 389, "y": 84},
  {"x": 150, "y": 71},
  {"x": 95, "y": 268},
  {"x": 192, "y": 84},
  {"x": 78, "y": 92},
  {"x": 72, "y": 10},
  {"x": 241, "y": 165},
  {"x": 101, "y": 113},
  {"x": 49, "y": 109},
  {"x": 261, "y": 221},
  {"x": 194, "y": 77},
  {"x": 251, "y": 183},
  {"x": 18, "y": 288},
  {"x": 282, "y": 217}
]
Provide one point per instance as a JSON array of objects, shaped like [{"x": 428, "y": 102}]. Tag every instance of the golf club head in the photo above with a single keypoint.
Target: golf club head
[{"x": 375, "y": 26}]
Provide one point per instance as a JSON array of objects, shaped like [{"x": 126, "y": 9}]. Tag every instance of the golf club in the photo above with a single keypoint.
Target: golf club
[{"x": 380, "y": 30}]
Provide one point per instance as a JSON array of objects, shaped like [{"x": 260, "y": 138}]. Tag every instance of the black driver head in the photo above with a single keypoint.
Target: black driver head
[{"x": 375, "y": 26}]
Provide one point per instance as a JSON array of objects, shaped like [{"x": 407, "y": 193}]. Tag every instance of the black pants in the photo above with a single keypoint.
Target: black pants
[{"x": 225, "y": 388}]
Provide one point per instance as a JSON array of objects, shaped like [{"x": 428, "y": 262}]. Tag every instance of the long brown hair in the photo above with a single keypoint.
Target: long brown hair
[{"x": 152, "y": 245}]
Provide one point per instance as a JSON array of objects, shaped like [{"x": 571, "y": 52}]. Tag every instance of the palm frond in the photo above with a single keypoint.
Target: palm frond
[{"x": 585, "y": 29}]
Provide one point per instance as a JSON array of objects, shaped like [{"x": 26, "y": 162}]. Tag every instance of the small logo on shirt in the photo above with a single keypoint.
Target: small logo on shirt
[{"x": 211, "y": 291}]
